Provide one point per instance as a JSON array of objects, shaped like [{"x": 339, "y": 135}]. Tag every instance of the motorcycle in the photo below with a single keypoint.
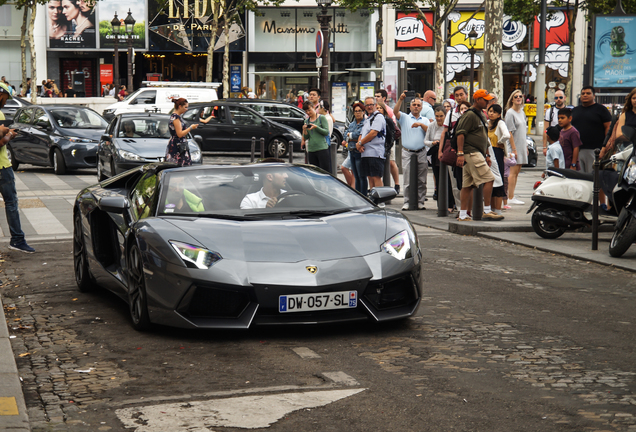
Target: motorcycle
[
  {"x": 563, "y": 201},
  {"x": 624, "y": 199}
]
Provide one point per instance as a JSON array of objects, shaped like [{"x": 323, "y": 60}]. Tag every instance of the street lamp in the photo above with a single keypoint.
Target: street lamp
[
  {"x": 324, "y": 20},
  {"x": 472, "y": 41},
  {"x": 116, "y": 23},
  {"x": 130, "y": 25}
]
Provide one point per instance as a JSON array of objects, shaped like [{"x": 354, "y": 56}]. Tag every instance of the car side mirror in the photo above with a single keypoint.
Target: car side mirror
[
  {"x": 44, "y": 125},
  {"x": 198, "y": 139},
  {"x": 382, "y": 194},
  {"x": 114, "y": 204}
]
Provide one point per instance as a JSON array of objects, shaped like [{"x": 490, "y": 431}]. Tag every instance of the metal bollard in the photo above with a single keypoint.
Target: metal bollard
[
  {"x": 253, "y": 150},
  {"x": 595, "y": 191},
  {"x": 290, "y": 152},
  {"x": 442, "y": 190},
  {"x": 262, "y": 148},
  {"x": 478, "y": 202},
  {"x": 333, "y": 152},
  {"x": 413, "y": 184}
]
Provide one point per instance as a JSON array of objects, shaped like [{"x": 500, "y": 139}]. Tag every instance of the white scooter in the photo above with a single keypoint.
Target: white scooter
[{"x": 563, "y": 200}]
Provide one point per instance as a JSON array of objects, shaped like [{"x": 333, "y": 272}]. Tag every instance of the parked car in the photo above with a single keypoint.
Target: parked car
[
  {"x": 175, "y": 244},
  {"x": 136, "y": 139},
  {"x": 64, "y": 137},
  {"x": 231, "y": 125},
  {"x": 12, "y": 106},
  {"x": 159, "y": 97},
  {"x": 291, "y": 115}
]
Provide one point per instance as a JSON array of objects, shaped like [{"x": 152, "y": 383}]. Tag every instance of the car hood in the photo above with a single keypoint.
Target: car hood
[
  {"x": 92, "y": 134},
  {"x": 144, "y": 147},
  {"x": 284, "y": 127},
  {"x": 334, "y": 237}
]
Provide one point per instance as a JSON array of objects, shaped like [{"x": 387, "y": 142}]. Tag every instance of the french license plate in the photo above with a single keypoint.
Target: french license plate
[{"x": 314, "y": 302}]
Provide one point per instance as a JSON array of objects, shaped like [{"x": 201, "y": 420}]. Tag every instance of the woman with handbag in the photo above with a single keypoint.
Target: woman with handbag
[{"x": 177, "y": 150}]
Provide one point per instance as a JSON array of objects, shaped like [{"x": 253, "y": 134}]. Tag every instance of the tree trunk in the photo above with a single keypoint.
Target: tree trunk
[
  {"x": 572, "y": 30},
  {"x": 226, "y": 56},
  {"x": 440, "y": 73},
  {"x": 34, "y": 95},
  {"x": 215, "y": 25},
  {"x": 492, "y": 79},
  {"x": 23, "y": 35}
]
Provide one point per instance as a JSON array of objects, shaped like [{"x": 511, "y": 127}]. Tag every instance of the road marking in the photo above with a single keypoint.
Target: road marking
[
  {"x": 305, "y": 353},
  {"x": 43, "y": 221},
  {"x": 8, "y": 406},
  {"x": 341, "y": 378},
  {"x": 53, "y": 181},
  {"x": 248, "y": 412}
]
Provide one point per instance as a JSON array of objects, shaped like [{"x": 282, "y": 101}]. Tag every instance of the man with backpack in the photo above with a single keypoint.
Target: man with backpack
[
  {"x": 413, "y": 127},
  {"x": 371, "y": 144},
  {"x": 552, "y": 116},
  {"x": 473, "y": 156}
]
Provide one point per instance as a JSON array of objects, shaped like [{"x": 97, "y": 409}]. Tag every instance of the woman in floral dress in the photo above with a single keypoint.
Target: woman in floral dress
[{"x": 178, "y": 151}]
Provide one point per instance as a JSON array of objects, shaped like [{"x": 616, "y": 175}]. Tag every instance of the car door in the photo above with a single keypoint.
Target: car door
[
  {"x": 247, "y": 124},
  {"x": 41, "y": 142},
  {"x": 145, "y": 101},
  {"x": 287, "y": 115},
  {"x": 217, "y": 132},
  {"x": 22, "y": 124}
]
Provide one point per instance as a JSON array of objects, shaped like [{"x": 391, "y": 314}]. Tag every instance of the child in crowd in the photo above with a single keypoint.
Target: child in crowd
[
  {"x": 570, "y": 140},
  {"x": 508, "y": 162},
  {"x": 554, "y": 157}
]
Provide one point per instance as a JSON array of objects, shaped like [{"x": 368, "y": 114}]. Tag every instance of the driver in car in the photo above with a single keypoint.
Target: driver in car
[{"x": 273, "y": 184}]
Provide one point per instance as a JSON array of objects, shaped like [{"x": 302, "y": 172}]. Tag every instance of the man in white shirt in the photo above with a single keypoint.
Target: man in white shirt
[
  {"x": 552, "y": 116},
  {"x": 273, "y": 183},
  {"x": 380, "y": 97}
]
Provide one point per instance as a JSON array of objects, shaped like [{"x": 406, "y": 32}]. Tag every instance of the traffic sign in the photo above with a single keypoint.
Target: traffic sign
[{"x": 320, "y": 41}]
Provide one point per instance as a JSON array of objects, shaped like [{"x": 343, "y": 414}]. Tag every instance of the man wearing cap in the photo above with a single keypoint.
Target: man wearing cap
[
  {"x": 472, "y": 155},
  {"x": 7, "y": 183}
]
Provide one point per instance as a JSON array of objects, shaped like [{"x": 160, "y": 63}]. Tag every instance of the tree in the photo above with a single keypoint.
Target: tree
[
  {"x": 216, "y": 6},
  {"x": 493, "y": 62}
]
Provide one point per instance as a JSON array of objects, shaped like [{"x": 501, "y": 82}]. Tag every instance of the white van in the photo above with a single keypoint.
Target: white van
[{"x": 158, "y": 96}]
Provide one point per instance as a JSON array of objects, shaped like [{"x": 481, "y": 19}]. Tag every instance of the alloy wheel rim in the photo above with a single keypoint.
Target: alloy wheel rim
[
  {"x": 136, "y": 294},
  {"x": 78, "y": 251}
]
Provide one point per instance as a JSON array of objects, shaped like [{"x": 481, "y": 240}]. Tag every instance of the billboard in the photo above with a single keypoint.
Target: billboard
[
  {"x": 412, "y": 33},
  {"x": 466, "y": 21},
  {"x": 615, "y": 52},
  {"x": 107, "y": 10}
]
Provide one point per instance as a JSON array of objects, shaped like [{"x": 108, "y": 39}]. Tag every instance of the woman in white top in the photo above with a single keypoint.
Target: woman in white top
[
  {"x": 517, "y": 124},
  {"x": 433, "y": 138},
  {"x": 324, "y": 110},
  {"x": 499, "y": 136}
]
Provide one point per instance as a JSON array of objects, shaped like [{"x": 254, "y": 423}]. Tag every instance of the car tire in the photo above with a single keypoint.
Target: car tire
[
  {"x": 284, "y": 147},
  {"x": 59, "y": 164},
  {"x": 137, "y": 298},
  {"x": 624, "y": 235},
  {"x": 543, "y": 229},
  {"x": 14, "y": 162},
  {"x": 100, "y": 171},
  {"x": 80, "y": 263}
]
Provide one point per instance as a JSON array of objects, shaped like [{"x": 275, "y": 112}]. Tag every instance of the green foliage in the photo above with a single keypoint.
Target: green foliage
[{"x": 604, "y": 7}]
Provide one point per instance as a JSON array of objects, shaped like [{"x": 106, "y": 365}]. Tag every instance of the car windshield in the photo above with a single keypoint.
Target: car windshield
[
  {"x": 243, "y": 193},
  {"x": 144, "y": 127},
  {"x": 77, "y": 118}
]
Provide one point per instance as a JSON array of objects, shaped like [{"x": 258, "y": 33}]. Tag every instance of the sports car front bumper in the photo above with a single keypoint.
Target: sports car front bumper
[{"x": 219, "y": 298}]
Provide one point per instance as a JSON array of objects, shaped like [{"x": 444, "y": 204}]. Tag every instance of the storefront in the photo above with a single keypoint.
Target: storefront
[{"x": 282, "y": 57}]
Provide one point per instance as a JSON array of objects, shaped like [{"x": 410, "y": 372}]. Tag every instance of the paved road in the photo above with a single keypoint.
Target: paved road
[{"x": 507, "y": 339}]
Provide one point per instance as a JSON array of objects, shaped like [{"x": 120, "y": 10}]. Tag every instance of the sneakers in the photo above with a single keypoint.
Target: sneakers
[
  {"x": 507, "y": 207},
  {"x": 466, "y": 219},
  {"x": 435, "y": 195},
  {"x": 420, "y": 206},
  {"x": 492, "y": 216},
  {"x": 515, "y": 201},
  {"x": 22, "y": 247},
  {"x": 405, "y": 207},
  {"x": 397, "y": 189}
]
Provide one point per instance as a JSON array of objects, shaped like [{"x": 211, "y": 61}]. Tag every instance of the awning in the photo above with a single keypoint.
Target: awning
[
  {"x": 295, "y": 74},
  {"x": 370, "y": 69}
]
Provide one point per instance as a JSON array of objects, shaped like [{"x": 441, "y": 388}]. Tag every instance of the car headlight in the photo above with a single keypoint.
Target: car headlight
[
  {"x": 195, "y": 256},
  {"x": 399, "y": 246},
  {"x": 129, "y": 155},
  {"x": 81, "y": 140},
  {"x": 630, "y": 172},
  {"x": 195, "y": 152},
  {"x": 296, "y": 134}
]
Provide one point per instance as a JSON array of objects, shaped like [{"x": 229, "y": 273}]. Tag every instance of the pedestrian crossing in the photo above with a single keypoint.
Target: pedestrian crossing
[{"x": 46, "y": 204}]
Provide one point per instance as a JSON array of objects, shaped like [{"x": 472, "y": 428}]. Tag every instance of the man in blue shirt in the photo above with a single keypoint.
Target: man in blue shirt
[
  {"x": 413, "y": 127},
  {"x": 428, "y": 101},
  {"x": 371, "y": 144}
]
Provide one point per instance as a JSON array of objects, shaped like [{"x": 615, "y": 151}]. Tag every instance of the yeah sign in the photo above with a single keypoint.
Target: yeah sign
[{"x": 411, "y": 32}]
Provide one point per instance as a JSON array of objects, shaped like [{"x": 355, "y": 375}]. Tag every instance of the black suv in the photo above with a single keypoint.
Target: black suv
[
  {"x": 291, "y": 115},
  {"x": 230, "y": 127}
]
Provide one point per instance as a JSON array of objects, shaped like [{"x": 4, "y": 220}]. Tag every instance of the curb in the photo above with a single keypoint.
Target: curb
[
  {"x": 474, "y": 228},
  {"x": 13, "y": 411}
]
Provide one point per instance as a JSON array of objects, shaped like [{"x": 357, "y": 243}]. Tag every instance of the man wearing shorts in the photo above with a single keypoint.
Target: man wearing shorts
[
  {"x": 371, "y": 144},
  {"x": 472, "y": 155}
]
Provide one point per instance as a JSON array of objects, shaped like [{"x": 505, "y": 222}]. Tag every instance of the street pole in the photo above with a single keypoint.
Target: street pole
[
  {"x": 539, "y": 90},
  {"x": 472, "y": 72},
  {"x": 116, "y": 24},
  {"x": 130, "y": 72},
  {"x": 324, "y": 19}
]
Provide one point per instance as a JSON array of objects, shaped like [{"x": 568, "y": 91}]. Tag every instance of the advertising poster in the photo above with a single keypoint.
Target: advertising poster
[
  {"x": 107, "y": 10},
  {"x": 367, "y": 89},
  {"x": 463, "y": 21},
  {"x": 235, "y": 78},
  {"x": 106, "y": 74},
  {"x": 390, "y": 76},
  {"x": 71, "y": 24},
  {"x": 412, "y": 33},
  {"x": 339, "y": 100},
  {"x": 615, "y": 52}
]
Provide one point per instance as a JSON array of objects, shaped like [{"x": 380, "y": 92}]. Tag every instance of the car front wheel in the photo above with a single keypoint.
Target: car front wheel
[
  {"x": 137, "y": 299},
  {"x": 279, "y": 144},
  {"x": 80, "y": 264},
  {"x": 59, "y": 164}
]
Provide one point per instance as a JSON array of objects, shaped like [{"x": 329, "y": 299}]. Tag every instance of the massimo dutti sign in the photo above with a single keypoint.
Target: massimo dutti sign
[{"x": 294, "y": 30}]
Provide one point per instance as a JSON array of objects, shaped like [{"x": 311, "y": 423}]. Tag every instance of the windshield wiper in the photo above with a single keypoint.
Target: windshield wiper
[
  {"x": 212, "y": 215},
  {"x": 301, "y": 213}
]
